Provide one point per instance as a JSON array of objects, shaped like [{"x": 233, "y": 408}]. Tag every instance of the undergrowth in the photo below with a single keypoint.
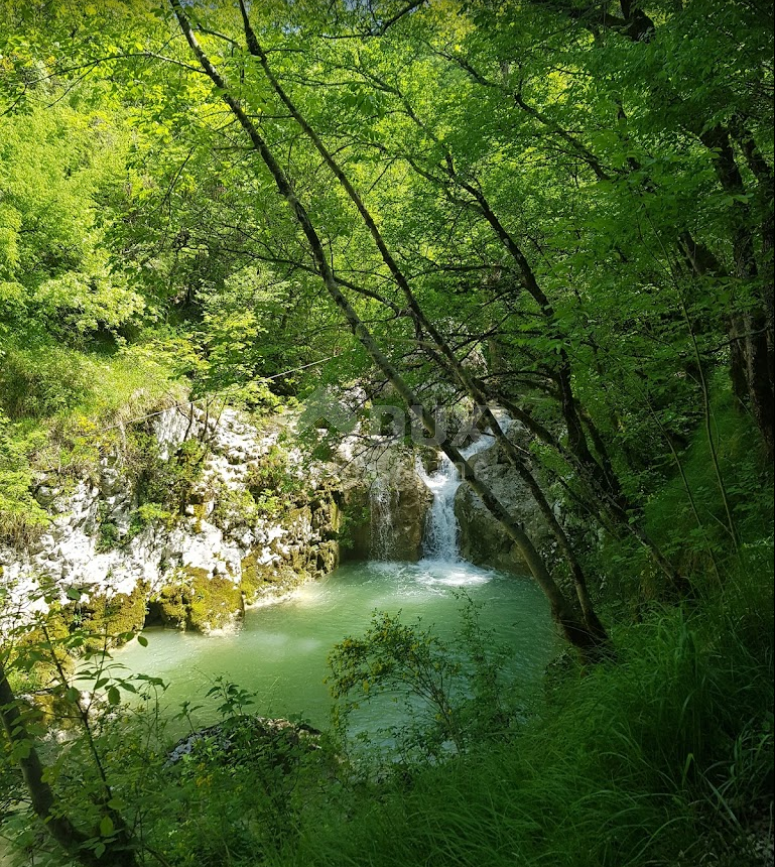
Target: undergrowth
[
  {"x": 662, "y": 759},
  {"x": 61, "y": 409}
]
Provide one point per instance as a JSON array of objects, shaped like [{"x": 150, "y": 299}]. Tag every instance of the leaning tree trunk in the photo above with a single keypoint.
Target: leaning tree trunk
[
  {"x": 566, "y": 614},
  {"x": 42, "y": 797},
  {"x": 750, "y": 329},
  {"x": 443, "y": 354}
]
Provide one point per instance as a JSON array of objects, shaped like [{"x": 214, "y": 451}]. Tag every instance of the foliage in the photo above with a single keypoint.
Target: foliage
[
  {"x": 61, "y": 410},
  {"x": 163, "y": 485},
  {"x": 274, "y": 481},
  {"x": 452, "y": 696},
  {"x": 21, "y": 516},
  {"x": 564, "y": 208},
  {"x": 633, "y": 763},
  {"x": 55, "y": 265}
]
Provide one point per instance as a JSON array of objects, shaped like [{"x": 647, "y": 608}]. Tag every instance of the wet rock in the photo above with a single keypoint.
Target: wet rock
[
  {"x": 386, "y": 509},
  {"x": 483, "y": 541}
]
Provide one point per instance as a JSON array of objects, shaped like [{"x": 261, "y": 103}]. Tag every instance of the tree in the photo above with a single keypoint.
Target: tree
[
  {"x": 88, "y": 850},
  {"x": 584, "y": 631}
]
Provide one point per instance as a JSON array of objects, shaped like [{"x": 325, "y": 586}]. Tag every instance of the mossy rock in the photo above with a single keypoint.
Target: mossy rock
[
  {"x": 196, "y": 600},
  {"x": 326, "y": 556},
  {"x": 169, "y": 608},
  {"x": 254, "y": 578},
  {"x": 213, "y": 601},
  {"x": 300, "y": 556},
  {"x": 325, "y": 515},
  {"x": 355, "y": 525},
  {"x": 110, "y": 617},
  {"x": 262, "y": 579},
  {"x": 244, "y": 741}
]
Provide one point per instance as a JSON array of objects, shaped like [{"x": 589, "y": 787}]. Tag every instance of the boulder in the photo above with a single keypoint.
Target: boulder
[
  {"x": 483, "y": 541},
  {"x": 386, "y": 511},
  {"x": 246, "y": 739}
]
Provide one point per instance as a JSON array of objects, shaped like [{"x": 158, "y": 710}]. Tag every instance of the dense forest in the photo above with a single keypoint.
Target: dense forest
[{"x": 542, "y": 226}]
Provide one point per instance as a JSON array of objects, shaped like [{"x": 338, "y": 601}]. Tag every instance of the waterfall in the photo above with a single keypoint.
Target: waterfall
[
  {"x": 381, "y": 502},
  {"x": 441, "y": 531},
  {"x": 440, "y": 542}
]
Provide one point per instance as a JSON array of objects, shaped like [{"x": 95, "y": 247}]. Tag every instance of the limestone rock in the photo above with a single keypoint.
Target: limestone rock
[
  {"x": 482, "y": 539},
  {"x": 196, "y": 568}
]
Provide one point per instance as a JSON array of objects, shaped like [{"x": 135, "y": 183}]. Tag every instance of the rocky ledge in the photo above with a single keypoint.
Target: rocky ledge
[
  {"x": 209, "y": 516},
  {"x": 201, "y": 514}
]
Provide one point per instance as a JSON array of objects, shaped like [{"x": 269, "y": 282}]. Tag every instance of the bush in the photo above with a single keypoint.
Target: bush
[
  {"x": 41, "y": 380},
  {"x": 21, "y": 517}
]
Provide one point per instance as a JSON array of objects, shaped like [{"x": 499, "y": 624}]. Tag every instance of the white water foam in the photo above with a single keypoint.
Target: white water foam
[{"x": 441, "y": 533}]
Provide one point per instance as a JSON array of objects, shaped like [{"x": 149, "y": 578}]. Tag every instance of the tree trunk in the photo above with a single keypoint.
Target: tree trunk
[
  {"x": 42, "y": 797},
  {"x": 445, "y": 355},
  {"x": 571, "y": 621},
  {"x": 750, "y": 329}
]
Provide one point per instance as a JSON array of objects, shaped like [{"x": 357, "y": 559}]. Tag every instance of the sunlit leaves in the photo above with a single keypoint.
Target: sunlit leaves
[{"x": 57, "y": 166}]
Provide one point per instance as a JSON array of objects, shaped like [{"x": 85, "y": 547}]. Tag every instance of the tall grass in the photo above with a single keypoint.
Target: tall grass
[
  {"x": 690, "y": 523},
  {"x": 662, "y": 759}
]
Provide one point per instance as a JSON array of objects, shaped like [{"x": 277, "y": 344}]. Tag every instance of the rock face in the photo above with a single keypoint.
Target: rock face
[
  {"x": 201, "y": 515},
  {"x": 482, "y": 540},
  {"x": 386, "y": 506},
  {"x": 411, "y": 503},
  {"x": 232, "y": 538}
]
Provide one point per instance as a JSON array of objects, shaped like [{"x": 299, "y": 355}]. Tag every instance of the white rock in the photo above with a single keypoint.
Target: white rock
[{"x": 71, "y": 550}]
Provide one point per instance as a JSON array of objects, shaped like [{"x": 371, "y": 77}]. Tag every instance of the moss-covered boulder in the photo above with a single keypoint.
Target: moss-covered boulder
[
  {"x": 169, "y": 607},
  {"x": 106, "y": 617},
  {"x": 197, "y": 600}
]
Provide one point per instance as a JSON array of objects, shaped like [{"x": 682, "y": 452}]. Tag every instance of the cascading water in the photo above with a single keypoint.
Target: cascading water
[
  {"x": 382, "y": 531},
  {"x": 281, "y": 650},
  {"x": 441, "y": 532}
]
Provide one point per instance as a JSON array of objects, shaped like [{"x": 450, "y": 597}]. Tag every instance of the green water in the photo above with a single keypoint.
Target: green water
[{"x": 280, "y": 650}]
